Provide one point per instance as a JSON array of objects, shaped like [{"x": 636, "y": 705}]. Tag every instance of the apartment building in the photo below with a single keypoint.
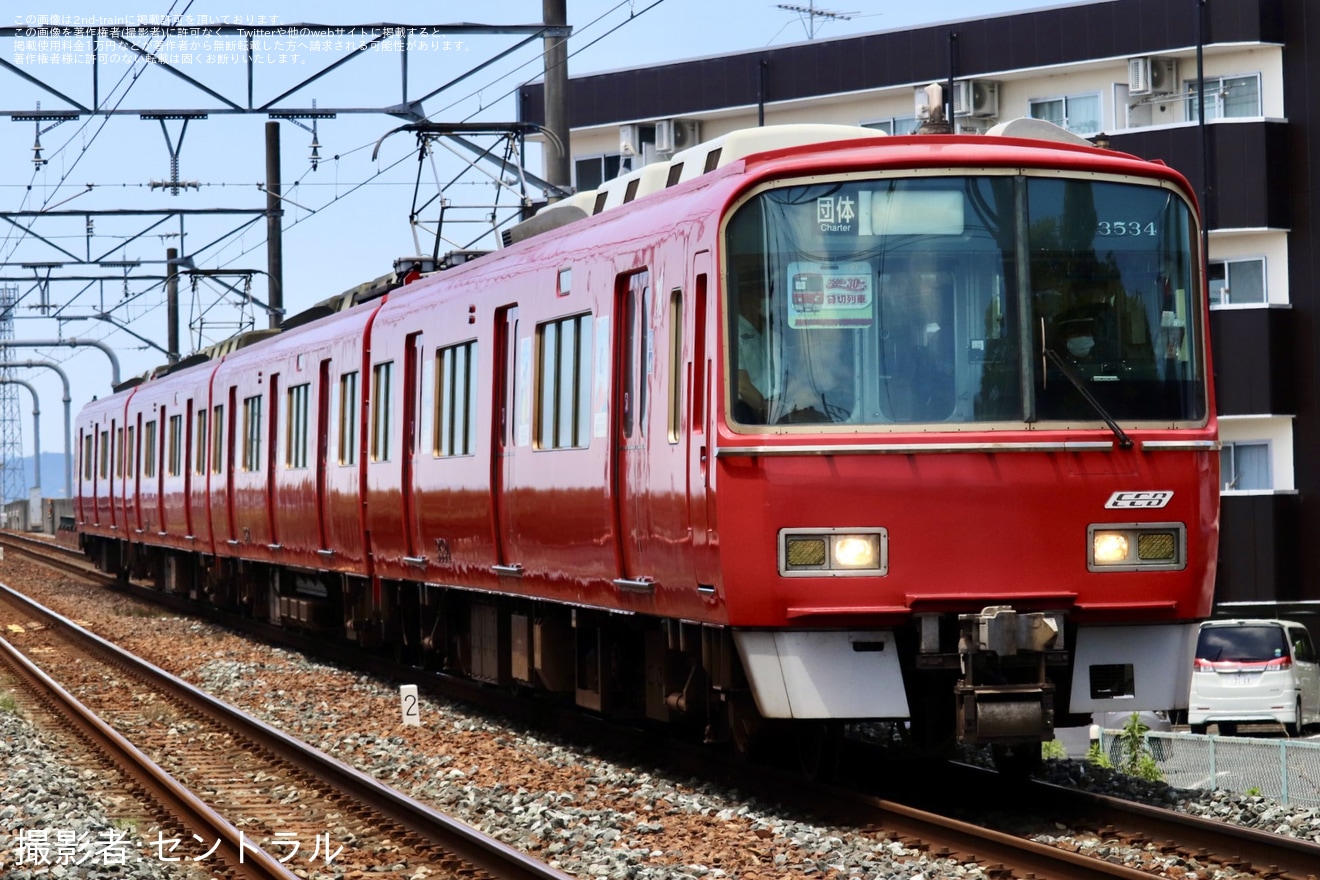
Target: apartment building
[{"x": 1134, "y": 73}]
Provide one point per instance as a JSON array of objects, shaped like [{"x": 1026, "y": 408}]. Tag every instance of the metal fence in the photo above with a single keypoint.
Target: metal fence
[{"x": 1285, "y": 769}]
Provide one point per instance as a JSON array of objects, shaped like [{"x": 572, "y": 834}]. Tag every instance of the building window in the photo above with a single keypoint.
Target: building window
[
  {"x": 149, "y": 449},
  {"x": 1233, "y": 282},
  {"x": 455, "y": 399},
  {"x": 252, "y": 433},
  {"x": 1245, "y": 466},
  {"x": 564, "y": 383},
  {"x": 218, "y": 441},
  {"x": 1226, "y": 97},
  {"x": 895, "y": 125},
  {"x": 295, "y": 452},
  {"x": 348, "y": 417},
  {"x": 1079, "y": 114},
  {"x": 380, "y": 411},
  {"x": 590, "y": 172}
]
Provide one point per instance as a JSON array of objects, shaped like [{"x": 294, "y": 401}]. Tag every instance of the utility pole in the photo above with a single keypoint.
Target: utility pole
[
  {"x": 274, "y": 228},
  {"x": 12, "y": 483},
  {"x": 172, "y": 303},
  {"x": 557, "y": 168}
]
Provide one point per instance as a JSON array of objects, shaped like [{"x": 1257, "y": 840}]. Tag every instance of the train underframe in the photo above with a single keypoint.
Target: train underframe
[{"x": 683, "y": 674}]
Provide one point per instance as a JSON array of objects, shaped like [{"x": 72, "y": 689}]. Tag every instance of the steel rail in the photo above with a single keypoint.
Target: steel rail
[
  {"x": 483, "y": 853},
  {"x": 242, "y": 858}
]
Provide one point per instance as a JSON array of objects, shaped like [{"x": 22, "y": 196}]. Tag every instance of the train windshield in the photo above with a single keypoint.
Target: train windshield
[{"x": 963, "y": 301}]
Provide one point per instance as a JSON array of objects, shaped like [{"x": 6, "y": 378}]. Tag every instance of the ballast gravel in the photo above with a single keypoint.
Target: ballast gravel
[{"x": 581, "y": 814}]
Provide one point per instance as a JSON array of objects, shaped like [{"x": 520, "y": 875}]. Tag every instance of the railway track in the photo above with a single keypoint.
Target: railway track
[
  {"x": 245, "y": 795},
  {"x": 1150, "y": 838}
]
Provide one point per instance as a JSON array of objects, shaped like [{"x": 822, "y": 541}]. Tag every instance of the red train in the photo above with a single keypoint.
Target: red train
[{"x": 806, "y": 424}]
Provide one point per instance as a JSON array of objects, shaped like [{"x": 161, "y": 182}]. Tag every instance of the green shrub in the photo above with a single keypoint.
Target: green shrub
[
  {"x": 1053, "y": 750},
  {"x": 1136, "y": 758}
]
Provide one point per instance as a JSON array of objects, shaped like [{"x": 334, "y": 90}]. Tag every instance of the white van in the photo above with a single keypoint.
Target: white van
[{"x": 1254, "y": 671}]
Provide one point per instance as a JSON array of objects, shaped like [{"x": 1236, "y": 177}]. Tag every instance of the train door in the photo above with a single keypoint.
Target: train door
[
  {"x": 161, "y": 449},
  {"x": 698, "y": 434},
  {"x": 116, "y": 470},
  {"x": 185, "y": 465},
  {"x": 231, "y": 435},
  {"x": 98, "y": 485},
  {"x": 124, "y": 499},
  {"x": 272, "y": 456},
  {"x": 322, "y": 450},
  {"x": 634, "y": 361},
  {"x": 412, "y": 393},
  {"x": 504, "y": 434},
  {"x": 136, "y": 457}
]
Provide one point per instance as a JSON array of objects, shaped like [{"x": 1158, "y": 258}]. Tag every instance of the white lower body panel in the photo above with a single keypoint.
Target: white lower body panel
[
  {"x": 795, "y": 674},
  {"x": 1160, "y": 656}
]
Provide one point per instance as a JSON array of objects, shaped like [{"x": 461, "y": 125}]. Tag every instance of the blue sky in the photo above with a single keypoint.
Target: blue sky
[{"x": 346, "y": 221}]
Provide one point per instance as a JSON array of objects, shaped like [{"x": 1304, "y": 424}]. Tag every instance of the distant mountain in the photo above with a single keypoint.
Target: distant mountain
[{"x": 52, "y": 475}]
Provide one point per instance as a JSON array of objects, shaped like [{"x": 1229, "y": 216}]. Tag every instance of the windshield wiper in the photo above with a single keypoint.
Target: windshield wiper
[{"x": 1124, "y": 441}]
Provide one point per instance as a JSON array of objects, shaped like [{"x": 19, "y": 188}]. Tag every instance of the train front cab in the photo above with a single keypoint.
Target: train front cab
[{"x": 967, "y": 478}]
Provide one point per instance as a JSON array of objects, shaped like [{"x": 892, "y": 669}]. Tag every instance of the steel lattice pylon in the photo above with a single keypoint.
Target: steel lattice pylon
[{"x": 13, "y": 482}]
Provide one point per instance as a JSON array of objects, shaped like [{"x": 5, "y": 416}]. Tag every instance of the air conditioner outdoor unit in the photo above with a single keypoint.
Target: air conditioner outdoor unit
[
  {"x": 976, "y": 97},
  {"x": 672, "y": 135},
  {"x": 1152, "y": 76},
  {"x": 630, "y": 141}
]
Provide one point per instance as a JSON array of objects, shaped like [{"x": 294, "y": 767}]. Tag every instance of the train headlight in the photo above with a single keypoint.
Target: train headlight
[
  {"x": 857, "y": 551},
  {"x": 1136, "y": 547},
  {"x": 1109, "y": 547},
  {"x": 833, "y": 552}
]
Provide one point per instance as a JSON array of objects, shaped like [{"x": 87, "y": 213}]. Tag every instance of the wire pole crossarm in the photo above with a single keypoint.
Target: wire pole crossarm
[
  {"x": 70, "y": 343},
  {"x": 105, "y": 316},
  {"x": 36, "y": 431},
  {"x": 68, "y": 417}
]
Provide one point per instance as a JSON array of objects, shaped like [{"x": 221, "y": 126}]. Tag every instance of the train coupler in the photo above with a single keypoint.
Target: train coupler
[
  {"x": 1001, "y": 714},
  {"x": 1004, "y": 696}
]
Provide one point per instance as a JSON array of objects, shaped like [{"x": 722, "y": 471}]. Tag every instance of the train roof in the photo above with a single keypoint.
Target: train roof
[{"x": 772, "y": 141}]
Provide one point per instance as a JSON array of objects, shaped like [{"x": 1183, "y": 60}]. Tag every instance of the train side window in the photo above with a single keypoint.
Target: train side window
[
  {"x": 87, "y": 456},
  {"x": 176, "y": 445},
  {"x": 348, "y": 413},
  {"x": 217, "y": 439},
  {"x": 105, "y": 454},
  {"x": 252, "y": 433},
  {"x": 380, "y": 411},
  {"x": 295, "y": 441},
  {"x": 564, "y": 382},
  {"x": 455, "y": 399},
  {"x": 119, "y": 452},
  {"x": 131, "y": 451},
  {"x": 149, "y": 449},
  {"x": 199, "y": 453},
  {"x": 675, "y": 364}
]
